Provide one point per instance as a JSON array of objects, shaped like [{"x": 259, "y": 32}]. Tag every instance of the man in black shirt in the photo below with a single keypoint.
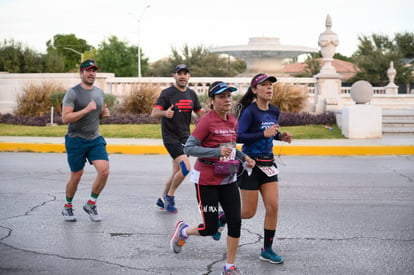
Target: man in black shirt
[{"x": 175, "y": 106}]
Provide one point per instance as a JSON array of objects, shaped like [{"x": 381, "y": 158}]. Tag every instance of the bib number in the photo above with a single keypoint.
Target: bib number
[{"x": 269, "y": 170}]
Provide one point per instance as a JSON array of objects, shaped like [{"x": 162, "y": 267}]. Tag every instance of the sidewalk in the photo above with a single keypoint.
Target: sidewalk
[{"x": 387, "y": 145}]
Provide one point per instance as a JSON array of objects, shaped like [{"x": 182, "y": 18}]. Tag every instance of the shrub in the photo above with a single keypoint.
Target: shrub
[
  {"x": 110, "y": 100},
  {"x": 289, "y": 98},
  {"x": 296, "y": 119},
  {"x": 204, "y": 101},
  {"x": 139, "y": 101},
  {"x": 286, "y": 119},
  {"x": 55, "y": 100},
  {"x": 40, "y": 120},
  {"x": 35, "y": 98},
  {"x": 130, "y": 119}
]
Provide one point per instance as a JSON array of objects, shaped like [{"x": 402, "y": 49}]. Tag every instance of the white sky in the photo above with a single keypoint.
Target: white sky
[{"x": 211, "y": 23}]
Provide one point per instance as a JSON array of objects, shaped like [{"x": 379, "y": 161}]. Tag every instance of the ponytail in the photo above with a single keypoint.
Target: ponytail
[{"x": 245, "y": 101}]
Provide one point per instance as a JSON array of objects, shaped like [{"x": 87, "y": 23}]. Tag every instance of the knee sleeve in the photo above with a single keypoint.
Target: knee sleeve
[
  {"x": 207, "y": 231},
  {"x": 184, "y": 169},
  {"x": 233, "y": 229}
]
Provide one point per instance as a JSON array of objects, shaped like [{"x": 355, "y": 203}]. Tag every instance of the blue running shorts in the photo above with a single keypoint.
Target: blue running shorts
[{"x": 79, "y": 150}]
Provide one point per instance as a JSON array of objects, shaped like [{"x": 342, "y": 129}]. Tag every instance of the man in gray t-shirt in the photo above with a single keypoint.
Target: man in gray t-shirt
[
  {"x": 78, "y": 98},
  {"x": 83, "y": 105}
]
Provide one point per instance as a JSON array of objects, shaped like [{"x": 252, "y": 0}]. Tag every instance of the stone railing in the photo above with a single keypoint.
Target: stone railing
[
  {"x": 12, "y": 85},
  {"x": 377, "y": 90},
  {"x": 120, "y": 86}
]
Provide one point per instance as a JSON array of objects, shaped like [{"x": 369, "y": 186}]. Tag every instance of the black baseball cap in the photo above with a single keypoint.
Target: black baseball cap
[{"x": 181, "y": 67}]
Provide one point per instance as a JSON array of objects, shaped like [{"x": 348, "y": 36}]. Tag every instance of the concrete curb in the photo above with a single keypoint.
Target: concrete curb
[{"x": 286, "y": 150}]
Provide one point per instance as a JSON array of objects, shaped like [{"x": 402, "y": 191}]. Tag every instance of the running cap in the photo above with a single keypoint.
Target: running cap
[
  {"x": 259, "y": 78},
  {"x": 87, "y": 64},
  {"x": 181, "y": 67},
  {"x": 220, "y": 87}
]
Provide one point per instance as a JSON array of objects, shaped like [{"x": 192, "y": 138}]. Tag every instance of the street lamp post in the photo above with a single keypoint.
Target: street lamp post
[
  {"x": 75, "y": 51},
  {"x": 139, "y": 41}
]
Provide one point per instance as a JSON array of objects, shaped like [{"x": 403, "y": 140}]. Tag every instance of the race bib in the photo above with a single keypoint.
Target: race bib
[
  {"x": 195, "y": 176},
  {"x": 269, "y": 170}
]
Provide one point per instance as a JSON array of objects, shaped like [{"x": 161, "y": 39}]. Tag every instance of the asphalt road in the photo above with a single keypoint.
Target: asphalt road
[{"x": 338, "y": 215}]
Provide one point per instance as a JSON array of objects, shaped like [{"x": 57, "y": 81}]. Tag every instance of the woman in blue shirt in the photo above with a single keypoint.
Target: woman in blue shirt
[{"x": 258, "y": 127}]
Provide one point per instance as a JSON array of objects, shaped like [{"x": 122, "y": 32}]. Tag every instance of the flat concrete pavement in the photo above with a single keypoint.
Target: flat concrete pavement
[
  {"x": 393, "y": 144},
  {"x": 338, "y": 215}
]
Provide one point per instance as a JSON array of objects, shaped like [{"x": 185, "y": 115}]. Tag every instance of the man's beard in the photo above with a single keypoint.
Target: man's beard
[{"x": 181, "y": 83}]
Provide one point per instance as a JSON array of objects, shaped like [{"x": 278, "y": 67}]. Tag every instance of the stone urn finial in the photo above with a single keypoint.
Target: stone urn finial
[
  {"x": 328, "y": 41},
  {"x": 391, "y": 87},
  {"x": 391, "y": 72}
]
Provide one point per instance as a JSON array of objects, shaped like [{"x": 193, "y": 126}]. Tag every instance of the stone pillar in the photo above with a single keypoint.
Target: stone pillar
[
  {"x": 391, "y": 88},
  {"x": 328, "y": 96},
  {"x": 362, "y": 120}
]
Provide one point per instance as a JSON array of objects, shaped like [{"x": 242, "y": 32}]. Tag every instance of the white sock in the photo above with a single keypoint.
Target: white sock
[
  {"x": 184, "y": 232},
  {"x": 228, "y": 266}
]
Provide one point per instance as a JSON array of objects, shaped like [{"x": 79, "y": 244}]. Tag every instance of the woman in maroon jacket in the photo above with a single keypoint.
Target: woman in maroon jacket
[{"x": 213, "y": 140}]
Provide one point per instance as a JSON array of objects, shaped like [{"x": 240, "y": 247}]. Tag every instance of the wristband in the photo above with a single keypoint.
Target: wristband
[{"x": 278, "y": 136}]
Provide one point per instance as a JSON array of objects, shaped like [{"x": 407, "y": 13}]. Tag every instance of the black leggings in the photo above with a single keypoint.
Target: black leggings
[{"x": 209, "y": 197}]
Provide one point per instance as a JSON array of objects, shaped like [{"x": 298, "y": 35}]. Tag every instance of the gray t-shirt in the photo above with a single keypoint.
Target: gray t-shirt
[{"x": 88, "y": 126}]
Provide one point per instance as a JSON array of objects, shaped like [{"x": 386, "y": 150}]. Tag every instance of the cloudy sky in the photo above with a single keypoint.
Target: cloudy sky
[{"x": 165, "y": 23}]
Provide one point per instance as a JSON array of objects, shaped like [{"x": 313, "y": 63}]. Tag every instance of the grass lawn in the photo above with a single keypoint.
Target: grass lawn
[{"x": 154, "y": 131}]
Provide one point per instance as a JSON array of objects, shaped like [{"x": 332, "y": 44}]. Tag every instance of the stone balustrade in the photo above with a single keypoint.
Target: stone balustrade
[
  {"x": 11, "y": 85},
  {"x": 121, "y": 86}
]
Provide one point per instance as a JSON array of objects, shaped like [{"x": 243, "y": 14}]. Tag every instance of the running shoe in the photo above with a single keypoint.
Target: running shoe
[
  {"x": 270, "y": 256},
  {"x": 220, "y": 228},
  {"x": 231, "y": 271},
  {"x": 93, "y": 212},
  {"x": 169, "y": 204},
  {"x": 68, "y": 214},
  {"x": 160, "y": 203},
  {"x": 177, "y": 239}
]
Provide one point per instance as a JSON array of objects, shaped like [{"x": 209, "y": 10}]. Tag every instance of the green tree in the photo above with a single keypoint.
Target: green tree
[
  {"x": 215, "y": 65},
  {"x": 312, "y": 65},
  {"x": 341, "y": 57},
  {"x": 201, "y": 62},
  {"x": 32, "y": 61},
  {"x": 118, "y": 57},
  {"x": 9, "y": 56},
  {"x": 53, "y": 62},
  {"x": 404, "y": 43},
  {"x": 375, "y": 53},
  {"x": 161, "y": 68},
  {"x": 15, "y": 58},
  {"x": 405, "y": 46},
  {"x": 70, "y": 47}
]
